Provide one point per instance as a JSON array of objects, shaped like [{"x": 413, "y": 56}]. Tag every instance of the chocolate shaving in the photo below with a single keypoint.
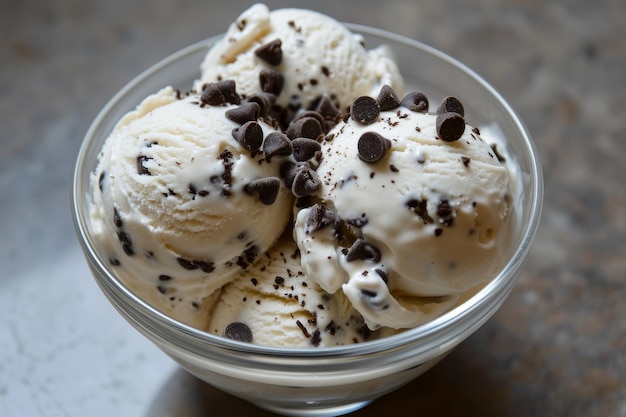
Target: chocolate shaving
[
  {"x": 305, "y": 149},
  {"x": 141, "y": 168},
  {"x": 365, "y": 110},
  {"x": 270, "y": 52},
  {"x": 416, "y": 102},
  {"x": 445, "y": 212},
  {"x": 238, "y": 331},
  {"x": 372, "y": 147},
  {"x": 451, "y": 104},
  {"x": 361, "y": 250},
  {"x": 271, "y": 81},
  {"x": 250, "y": 135},
  {"x": 320, "y": 217},
  {"x": 266, "y": 188},
  {"x": 387, "y": 99},
  {"x": 246, "y": 112},
  {"x": 276, "y": 143},
  {"x": 450, "y": 126},
  {"x": 420, "y": 208}
]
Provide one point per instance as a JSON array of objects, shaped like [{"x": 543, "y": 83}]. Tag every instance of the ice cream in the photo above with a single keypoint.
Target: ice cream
[
  {"x": 182, "y": 197},
  {"x": 275, "y": 303},
  {"x": 412, "y": 204},
  {"x": 311, "y": 54},
  {"x": 291, "y": 198}
]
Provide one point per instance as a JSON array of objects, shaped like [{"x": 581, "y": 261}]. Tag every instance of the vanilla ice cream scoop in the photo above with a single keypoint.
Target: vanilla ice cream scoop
[
  {"x": 299, "y": 55},
  {"x": 274, "y": 303},
  {"x": 413, "y": 210},
  {"x": 183, "y": 198}
]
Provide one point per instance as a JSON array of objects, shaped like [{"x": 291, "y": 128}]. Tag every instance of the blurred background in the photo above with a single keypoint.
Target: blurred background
[{"x": 556, "y": 348}]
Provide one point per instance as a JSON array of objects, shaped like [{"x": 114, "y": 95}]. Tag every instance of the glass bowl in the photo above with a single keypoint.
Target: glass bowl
[{"x": 322, "y": 381}]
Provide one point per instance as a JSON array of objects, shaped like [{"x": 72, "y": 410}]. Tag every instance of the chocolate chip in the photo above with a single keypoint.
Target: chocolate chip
[
  {"x": 451, "y": 104},
  {"x": 361, "y": 250},
  {"x": 141, "y": 168},
  {"x": 387, "y": 99},
  {"x": 365, "y": 110},
  {"x": 266, "y": 188},
  {"x": 416, "y": 102},
  {"x": 238, "y": 331},
  {"x": 372, "y": 147},
  {"x": 305, "y": 149},
  {"x": 220, "y": 92},
  {"x": 246, "y": 112},
  {"x": 305, "y": 182},
  {"x": 326, "y": 107},
  {"x": 265, "y": 101},
  {"x": 310, "y": 113},
  {"x": 270, "y": 52},
  {"x": 320, "y": 216},
  {"x": 212, "y": 95},
  {"x": 276, "y": 143},
  {"x": 271, "y": 81},
  {"x": 305, "y": 127},
  {"x": 450, "y": 126},
  {"x": 250, "y": 135}
]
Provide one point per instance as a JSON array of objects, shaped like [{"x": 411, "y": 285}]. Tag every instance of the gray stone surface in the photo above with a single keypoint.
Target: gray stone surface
[{"x": 556, "y": 348}]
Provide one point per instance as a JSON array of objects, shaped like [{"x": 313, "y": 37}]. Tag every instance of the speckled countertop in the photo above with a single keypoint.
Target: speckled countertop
[{"x": 556, "y": 348}]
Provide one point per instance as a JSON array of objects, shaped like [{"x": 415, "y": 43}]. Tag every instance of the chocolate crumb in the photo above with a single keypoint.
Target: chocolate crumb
[
  {"x": 445, "y": 212},
  {"x": 325, "y": 70},
  {"x": 165, "y": 278},
  {"x": 238, "y": 331},
  {"x": 465, "y": 160},
  {"x": 438, "y": 231},
  {"x": 117, "y": 219}
]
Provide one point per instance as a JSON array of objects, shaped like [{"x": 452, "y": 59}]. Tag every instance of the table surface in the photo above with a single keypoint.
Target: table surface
[{"x": 557, "y": 346}]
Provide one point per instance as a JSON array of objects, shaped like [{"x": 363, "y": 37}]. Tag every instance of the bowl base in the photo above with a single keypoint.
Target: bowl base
[{"x": 313, "y": 409}]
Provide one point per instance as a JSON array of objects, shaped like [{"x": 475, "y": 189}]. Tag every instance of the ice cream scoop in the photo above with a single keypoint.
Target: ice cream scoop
[
  {"x": 300, "y": 56},
  {"x": 274, "y": 303},
  {"x": 182, "y": 196},
  {"x": 412, "y": 211}
]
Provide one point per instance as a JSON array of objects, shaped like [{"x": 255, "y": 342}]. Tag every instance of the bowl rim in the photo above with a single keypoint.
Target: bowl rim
[{"x": 500, "y": 284}]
